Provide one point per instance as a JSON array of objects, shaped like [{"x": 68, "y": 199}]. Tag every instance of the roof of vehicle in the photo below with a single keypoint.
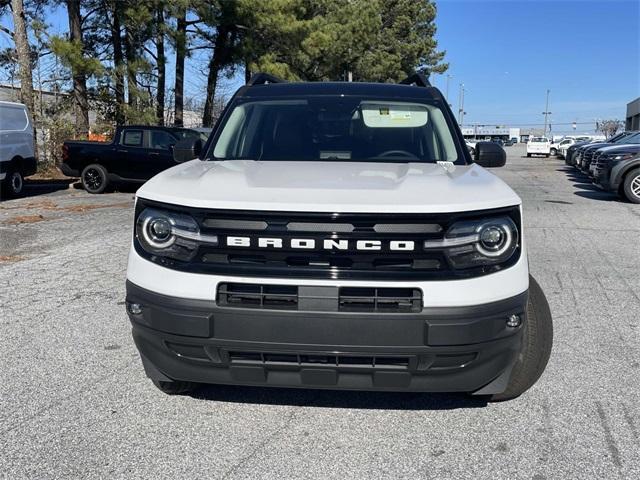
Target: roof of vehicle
[
  {"x": 13, "y": 104},
  {"x": 155, "y": 127},
  {"x": 385, "y": 90}
]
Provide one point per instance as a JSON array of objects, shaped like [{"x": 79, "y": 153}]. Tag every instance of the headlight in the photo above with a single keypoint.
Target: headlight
[
  {"x": 478, "y": 242},
  {"x": 170, "y": 234},
  {"x": 623, "y": 156}
]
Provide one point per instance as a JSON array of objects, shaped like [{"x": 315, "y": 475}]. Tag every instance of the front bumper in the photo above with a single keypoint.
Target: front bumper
[{"x": 439, "y": 349}]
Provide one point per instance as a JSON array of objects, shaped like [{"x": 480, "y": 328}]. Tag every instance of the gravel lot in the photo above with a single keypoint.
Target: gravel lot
[{"x": 75, "y": 402}]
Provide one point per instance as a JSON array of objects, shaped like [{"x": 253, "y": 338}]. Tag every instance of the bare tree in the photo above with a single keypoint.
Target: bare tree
[
  {"x": 79, "y": 78},
  {"x": 24, "y": 53},
  {"x": 181, "y": 53},
  {"x": 160, "y": 61},
  {"x": 609, "y": 127}
]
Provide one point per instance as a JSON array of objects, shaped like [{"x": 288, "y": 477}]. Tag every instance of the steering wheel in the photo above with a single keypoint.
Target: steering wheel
[{"x": 397, "y": 153}]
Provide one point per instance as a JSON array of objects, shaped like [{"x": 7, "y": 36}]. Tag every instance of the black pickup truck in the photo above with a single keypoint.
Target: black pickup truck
[{"x": 136, "y": 154}]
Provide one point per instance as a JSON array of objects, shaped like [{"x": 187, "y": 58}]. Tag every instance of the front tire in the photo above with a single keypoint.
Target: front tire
[
  {"x": 553, "y": 151},
  {"x": 175, "y": 388},
  {"x": 13, "y": 184},
  {"x": 537, "y": 339},
  {"x": 94, "y": 178},
  {"x": 631, "y": 186},
  {"x": 528, "y": 155}
]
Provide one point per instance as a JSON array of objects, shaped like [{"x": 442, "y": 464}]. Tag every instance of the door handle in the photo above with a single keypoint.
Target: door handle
[
  {"x": 120, "y": 150},
  {"x": 155, "y": 154}
]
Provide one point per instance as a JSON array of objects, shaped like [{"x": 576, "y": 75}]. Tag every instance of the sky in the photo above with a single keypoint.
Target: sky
[{"x": 508, "y": 53}]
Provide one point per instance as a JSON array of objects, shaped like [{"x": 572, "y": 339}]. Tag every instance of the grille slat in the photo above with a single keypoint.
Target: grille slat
[
  {"x": 295, "y": 360},
  {"x": 351, "y": 299}
]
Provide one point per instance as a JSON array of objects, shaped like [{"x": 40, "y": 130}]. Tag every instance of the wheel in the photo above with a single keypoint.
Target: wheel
[
  {"x": 537, "y": 339},
  {"x": 175, "y": 388},
  {"x": 528, "y": 155},
  {"x": 13, "y": 184},
  {"x": 553, "y": 151},
  {"x": 94, "y": 178},
  {"x": 631, "y": 186}
]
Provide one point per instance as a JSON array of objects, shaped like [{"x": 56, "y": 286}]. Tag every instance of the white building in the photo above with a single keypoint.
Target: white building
[{"x": 488, "y": 132}]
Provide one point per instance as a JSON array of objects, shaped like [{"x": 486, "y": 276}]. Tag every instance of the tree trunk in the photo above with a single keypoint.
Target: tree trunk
[
  {"x": 181, "y": 53},
  {"x": 130, "y": 54},
  {"x": 118, "y": 61},
  {"x": 219, "y": 58},
  {"x": 24, "y": 54},
  {"x": 79, "y": 78},
  {"x": 161, "y": 61},
  {"x": 247, "y": 72}
]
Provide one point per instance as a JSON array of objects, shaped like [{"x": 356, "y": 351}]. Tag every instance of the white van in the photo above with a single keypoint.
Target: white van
[
  {"x": 17, "y": 159},
  {"x": 539, "y": 146}
]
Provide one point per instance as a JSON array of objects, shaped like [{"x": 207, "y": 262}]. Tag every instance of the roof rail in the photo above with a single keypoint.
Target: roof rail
[
  {"x": 264, "y": 79},
  {"x": 417, "y": 79}
]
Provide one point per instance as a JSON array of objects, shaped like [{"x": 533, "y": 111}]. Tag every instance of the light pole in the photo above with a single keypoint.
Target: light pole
[
  {"x": 461, "y": 105},
  {"x": 449, "y": 77},
  {"x": 546, "y": 114}
]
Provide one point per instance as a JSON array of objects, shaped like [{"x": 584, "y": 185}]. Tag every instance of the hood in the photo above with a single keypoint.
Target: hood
[
  {"x": 329, "y": 187},
  {"x": 628, "y": 147}
]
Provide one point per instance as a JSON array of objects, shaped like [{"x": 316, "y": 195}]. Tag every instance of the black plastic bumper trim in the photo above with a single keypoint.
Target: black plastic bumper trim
[{"x": 438, "y": 349}]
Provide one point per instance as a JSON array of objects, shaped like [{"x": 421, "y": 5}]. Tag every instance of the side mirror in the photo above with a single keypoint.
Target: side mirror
[
  {"x": 490, "y": 155},
  {"x": 187, "y": 149}
]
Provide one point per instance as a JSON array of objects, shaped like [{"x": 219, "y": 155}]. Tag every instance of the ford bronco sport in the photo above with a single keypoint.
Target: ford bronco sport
[{"x": 338, "y": 236}]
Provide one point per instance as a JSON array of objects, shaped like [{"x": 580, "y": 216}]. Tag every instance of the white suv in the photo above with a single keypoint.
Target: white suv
[
  {"x": 17, "y": 158},
  {"x": 539, "y": 146},
  {"x": 335, "y": 235}
]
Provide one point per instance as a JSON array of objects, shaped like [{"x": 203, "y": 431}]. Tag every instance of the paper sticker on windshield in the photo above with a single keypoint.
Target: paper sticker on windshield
[{"x": 401, "y": 115}]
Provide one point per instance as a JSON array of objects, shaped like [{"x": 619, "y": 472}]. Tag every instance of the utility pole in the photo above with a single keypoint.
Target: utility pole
[
  {"x": 461, "y": 104},
  {"x": 449, "y": 77},
  {"x": 546, "y": 114}
]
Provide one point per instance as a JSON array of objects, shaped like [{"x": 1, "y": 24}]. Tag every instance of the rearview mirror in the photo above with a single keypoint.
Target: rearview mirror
[
  {"x": 490, "y": 155},
  {"x": 187, "y": 149}
]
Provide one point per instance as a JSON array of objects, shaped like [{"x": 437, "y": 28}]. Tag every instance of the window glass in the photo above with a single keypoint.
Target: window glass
[
  {"x": 12, "y": 118},
  {"x": 161, "y": 140},
  {"x": 337, "y": 128},
  {"x": 132, "y": 138}
]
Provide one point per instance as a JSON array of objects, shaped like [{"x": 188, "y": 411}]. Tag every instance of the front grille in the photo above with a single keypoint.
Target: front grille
[
  {"x": 344, "y": 299},
  {"x": 356, "y": 299},
  {"x": 280, "y": 297},
  {"x": 311, "y": 258},
  {"x": 318, "y": 361}
]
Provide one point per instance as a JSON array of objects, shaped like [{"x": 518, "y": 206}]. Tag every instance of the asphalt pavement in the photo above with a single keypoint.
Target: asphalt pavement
[{"x": 75, "y": 403}]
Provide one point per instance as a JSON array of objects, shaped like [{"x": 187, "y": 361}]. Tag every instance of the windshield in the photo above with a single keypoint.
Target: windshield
[
  {"x": 539, "y": 140},
  {"x": 336, "y": 128},
  {"x": 633, "y": 138}
]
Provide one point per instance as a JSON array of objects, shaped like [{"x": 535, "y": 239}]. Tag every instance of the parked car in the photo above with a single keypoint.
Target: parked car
[
  {"x": 361, "y": 249},
  {"x": 136, "y": 154},
  {"x": 588, "y": 151},
  {"x": 539, "y": 146},
  {"x": 592, "y": 157},
  {"x": 579, "y": 152},
  {"x": 618, "y": 170},
  {"x": 17, "y": 158},
  {"x": 509, "y": 142},
  {"x": 570, "y": 156},
  {"x": 563, "y": 146}
]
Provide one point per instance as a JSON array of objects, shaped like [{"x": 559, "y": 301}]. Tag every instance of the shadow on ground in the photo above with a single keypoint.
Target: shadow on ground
[
  {"x": 338, "y": 398},
  {"x": 34, "y": 188}
]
